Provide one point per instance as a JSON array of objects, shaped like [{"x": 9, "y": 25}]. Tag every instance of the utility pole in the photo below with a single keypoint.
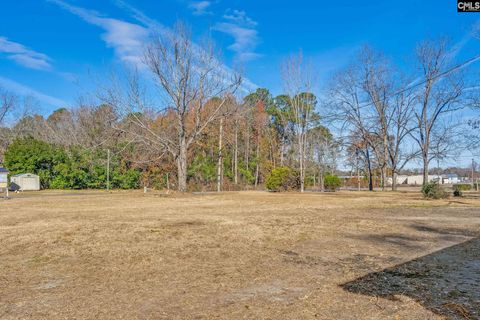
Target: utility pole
[
  {"x": 220, "y": 156},
  {"x": 473, "y": 172},
  {"x": 474, "y": 183},
  {"x": 108, "y": 169},
  {"x": 235, "y": 155}
]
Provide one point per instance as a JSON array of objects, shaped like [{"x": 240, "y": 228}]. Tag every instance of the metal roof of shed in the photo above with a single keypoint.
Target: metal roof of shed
[{"x": 25, "y": 175}]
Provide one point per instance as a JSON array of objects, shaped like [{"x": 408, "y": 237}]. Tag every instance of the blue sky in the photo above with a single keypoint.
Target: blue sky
[{"x": 56, "y": 49}]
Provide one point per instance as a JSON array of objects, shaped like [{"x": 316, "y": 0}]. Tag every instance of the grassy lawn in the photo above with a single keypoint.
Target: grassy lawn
[{"x": 245, "y": 255}]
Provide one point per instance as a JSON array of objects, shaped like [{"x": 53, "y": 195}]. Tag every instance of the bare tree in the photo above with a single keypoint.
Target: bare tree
[
  {"x": 377, "y": 104},
  {"x": 29, "y": 123},
  {"x": 323, "y": 151},
  {"x": 472, "y": 130},
  {"x": 347, "y": 98},
  {"x": 376, "y": 82},
  {"x": 192, "y": 89},
  {"x": 358, "y": 148},
  {"x": 7, "y": 102},
  {"x": 441, "y": 94},
  {"x": 190, "y": 77},
  {"x": 297, "y": 76},
  {"x": 399, "y": 128},
  {"x": 391, "y": 104}
]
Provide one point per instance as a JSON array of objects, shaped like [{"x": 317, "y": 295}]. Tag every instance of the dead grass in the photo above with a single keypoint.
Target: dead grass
[{"x": 246, "y": 255}]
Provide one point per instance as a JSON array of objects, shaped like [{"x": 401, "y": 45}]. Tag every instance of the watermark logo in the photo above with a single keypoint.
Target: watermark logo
[{"x": 468, "y": 6}]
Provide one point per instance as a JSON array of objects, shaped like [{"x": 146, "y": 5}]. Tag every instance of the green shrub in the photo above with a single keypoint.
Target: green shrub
[
  {"x": 282, "y": 179},
  {"x": 33, "y": 156},
  {"x": 462, "y": 187},
  {"x": 74, "y": 167},
  {"x": 433, "y": 190},
  {"x": 125, "y": 179},
  {"x": 332, "y": 182}
]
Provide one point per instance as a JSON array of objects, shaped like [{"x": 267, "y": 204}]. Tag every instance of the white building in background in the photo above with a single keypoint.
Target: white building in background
[
  {"x": 417, "y": 180},
  {"x": 25, "y": 182},
  {"x": 400, "y": 180},
  {"x": 450, "y": 178}
]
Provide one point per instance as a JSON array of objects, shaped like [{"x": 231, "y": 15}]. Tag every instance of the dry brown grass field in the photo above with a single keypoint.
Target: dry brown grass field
[{"x": 244, "y": 255}]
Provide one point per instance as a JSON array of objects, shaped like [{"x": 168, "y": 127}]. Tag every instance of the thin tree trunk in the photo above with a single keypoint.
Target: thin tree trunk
[
  {"x": 182, "y": 165},
  {"x": 301, "y": 160},
  {"x": 232, "y": 163},
  {"x": 272, "y": 153},
  {"x": 369, "y": 165},
  {"x": 394, "y": 179},
  {"x": 282, "y": 150},
  {"x": 235, "y": 155},
  {"x": 425, "y": 169},
  {"x": 258, "y": 160},
  {"x": 321, "y": 181},
  {"x": 220, "y": 156},
  {"x": 358, "y": 175},
  {"x": 383, "y": 177},
  {"x": 247, "y": 148},
  {"x": 385, "y": 155}
]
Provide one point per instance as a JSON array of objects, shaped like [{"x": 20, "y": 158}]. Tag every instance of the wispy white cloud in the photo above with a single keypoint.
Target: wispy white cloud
[
  {"x": 142, "y": 18},
  {"x": 24, "y": 56},
  {"x": 155, "y": 26},
  {"x": 459, "y": 45},
  {"x": 127, "y": 39},
  {"x": 27, "y": 91},
  {"x": 200, "y": 8},
  {"x": 239, "y": 17},
  {"x": 238, "y": 25}
]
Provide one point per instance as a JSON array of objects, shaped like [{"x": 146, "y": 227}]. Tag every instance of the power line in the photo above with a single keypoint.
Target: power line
[{"x": 440, "y": 75}]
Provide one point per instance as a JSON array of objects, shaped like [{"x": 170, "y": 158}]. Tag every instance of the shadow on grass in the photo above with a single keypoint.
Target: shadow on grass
[
  {"x": 446, "y": 282},
  {"x": 395, "y": 239}
]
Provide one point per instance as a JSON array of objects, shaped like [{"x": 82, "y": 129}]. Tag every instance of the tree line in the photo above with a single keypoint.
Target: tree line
[{"x": 182, "y": 121}]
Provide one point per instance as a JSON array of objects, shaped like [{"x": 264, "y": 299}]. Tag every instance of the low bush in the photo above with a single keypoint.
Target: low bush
[
  {"x": 332, "y": 183},
  {"x": 282, "y": 179},
  {"x": 459, "y": 188},
  {"x": 433, "y": 190},
  {"x": 457, "y": 193}
]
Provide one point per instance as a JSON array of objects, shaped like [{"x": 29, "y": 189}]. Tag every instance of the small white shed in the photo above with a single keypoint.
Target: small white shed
[{"x": 25, "y": 182}]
